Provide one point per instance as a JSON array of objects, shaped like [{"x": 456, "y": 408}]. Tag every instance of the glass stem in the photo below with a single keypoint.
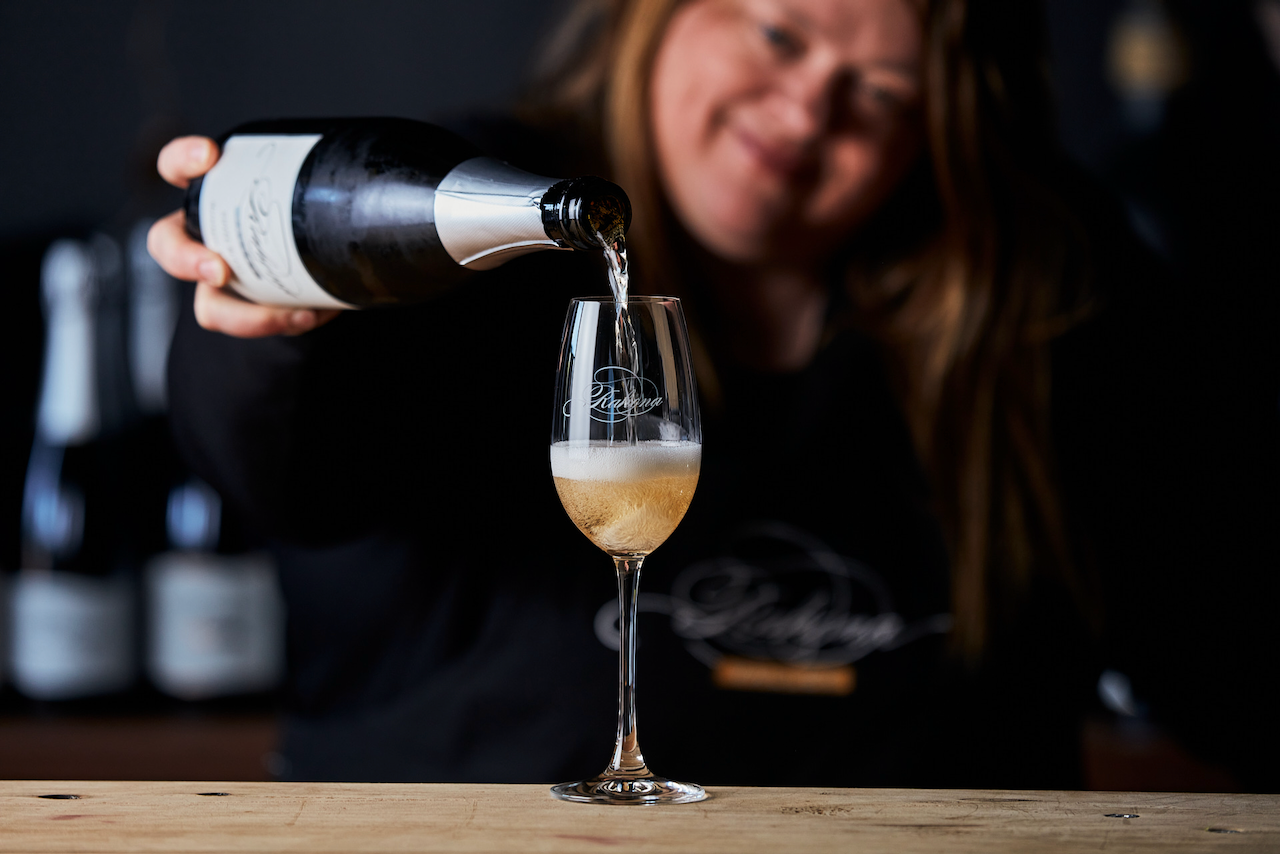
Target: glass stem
[{"x": 627, "y": 759}]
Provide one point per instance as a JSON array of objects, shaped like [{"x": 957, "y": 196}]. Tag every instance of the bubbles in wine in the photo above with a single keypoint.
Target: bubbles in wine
[{"x": 627, "y": 499}]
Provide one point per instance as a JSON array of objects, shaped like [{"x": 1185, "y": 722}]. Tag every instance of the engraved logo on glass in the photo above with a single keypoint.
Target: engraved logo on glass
[{"x": 619, "y": 393}]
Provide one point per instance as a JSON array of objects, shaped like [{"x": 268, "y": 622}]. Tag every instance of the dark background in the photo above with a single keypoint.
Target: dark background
[
  {"x": 90, "y": 89},
  {"x": 86, "y": 87},
  {"x": 86, "y": 83}
]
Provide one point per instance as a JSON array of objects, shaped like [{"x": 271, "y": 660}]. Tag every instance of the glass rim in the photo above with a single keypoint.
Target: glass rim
[{"x": 640, "y": 298}]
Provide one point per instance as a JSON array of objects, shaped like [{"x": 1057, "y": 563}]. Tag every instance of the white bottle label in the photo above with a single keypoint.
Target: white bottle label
[
  {"x": 246, "y": 216},
  {"x": 72, "y": 635},
  {"x": 216, "y": 624}
]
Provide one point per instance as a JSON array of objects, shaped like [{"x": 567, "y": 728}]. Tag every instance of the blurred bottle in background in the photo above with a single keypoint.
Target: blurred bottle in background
[
  {"x": 214, "y": 619},
  {"x": 129, "y": 565},
  {"x": 153, "y": 315},
  {"x": 73, "y": 598}
]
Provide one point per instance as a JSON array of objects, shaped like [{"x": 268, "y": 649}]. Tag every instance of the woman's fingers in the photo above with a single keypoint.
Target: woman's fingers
[
  {"x": 220, "y": 310},
  {"x": 217, "y": 308},
  {"x": 185, "y": 158},
  {"x": 180, "y": 256},
  {"x": 181, "y": 160}
]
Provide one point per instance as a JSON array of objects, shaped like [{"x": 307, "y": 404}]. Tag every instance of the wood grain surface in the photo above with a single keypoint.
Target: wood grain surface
[{"x": 323, "y": 817}]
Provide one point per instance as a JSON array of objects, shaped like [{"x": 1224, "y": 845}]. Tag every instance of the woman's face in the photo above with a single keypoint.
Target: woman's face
[{"x": 780, "y": 125}]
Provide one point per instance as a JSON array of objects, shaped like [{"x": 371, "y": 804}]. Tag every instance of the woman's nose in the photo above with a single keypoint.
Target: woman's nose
[{"x": 803, "y": 99}]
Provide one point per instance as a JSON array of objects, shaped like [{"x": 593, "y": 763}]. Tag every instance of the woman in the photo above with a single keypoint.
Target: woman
[{"x": 861, "y": 204}]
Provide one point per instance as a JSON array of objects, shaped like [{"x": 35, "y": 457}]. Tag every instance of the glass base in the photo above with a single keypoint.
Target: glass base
[{"x": 629, "y": 790}]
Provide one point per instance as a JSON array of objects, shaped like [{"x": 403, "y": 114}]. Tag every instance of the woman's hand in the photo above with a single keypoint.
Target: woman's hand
[{"x": 217, "y": 307}]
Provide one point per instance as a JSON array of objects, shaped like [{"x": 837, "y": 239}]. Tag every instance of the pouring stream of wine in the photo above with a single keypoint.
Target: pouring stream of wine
[{"x": 615, "y": 255}]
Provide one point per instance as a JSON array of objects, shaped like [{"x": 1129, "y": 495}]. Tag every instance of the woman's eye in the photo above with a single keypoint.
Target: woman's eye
[
  {"x": 780, "y": 40},
  {"x": 880, "y": 97},
  {"x": 883, "y": 96}
]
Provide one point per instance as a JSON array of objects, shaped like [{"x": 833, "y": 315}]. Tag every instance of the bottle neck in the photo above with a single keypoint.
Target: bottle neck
[
  {"x": 194, "y": 516},
  {"x": 153, "y": 314},
  {"x": 487, "y": 212},
  {"x": 69, "y": 412}
]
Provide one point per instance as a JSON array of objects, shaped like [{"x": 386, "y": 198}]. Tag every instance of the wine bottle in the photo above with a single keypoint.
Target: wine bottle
[
  {"x": 73, "y": 597},
  {"x": 347, "y": 213}
]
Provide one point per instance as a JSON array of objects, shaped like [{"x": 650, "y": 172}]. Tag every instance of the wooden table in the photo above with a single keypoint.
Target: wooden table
[{"x": 321, "y": 817}]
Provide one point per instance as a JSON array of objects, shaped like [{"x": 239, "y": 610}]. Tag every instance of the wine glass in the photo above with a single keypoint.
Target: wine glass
[{"x": 626, "y": 446}]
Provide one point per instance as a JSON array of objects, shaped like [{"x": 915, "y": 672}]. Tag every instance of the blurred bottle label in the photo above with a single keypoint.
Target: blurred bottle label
[
  {"x": 72, "y": 634},
  {"x": 216, "y": 624}
]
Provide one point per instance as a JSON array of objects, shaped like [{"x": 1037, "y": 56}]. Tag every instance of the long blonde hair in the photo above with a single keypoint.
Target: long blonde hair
[{"x": 964, "y": 277}]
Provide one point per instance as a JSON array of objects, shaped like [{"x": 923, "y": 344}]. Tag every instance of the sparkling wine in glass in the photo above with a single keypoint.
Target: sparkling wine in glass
[{"x": 626, "y": 446}]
